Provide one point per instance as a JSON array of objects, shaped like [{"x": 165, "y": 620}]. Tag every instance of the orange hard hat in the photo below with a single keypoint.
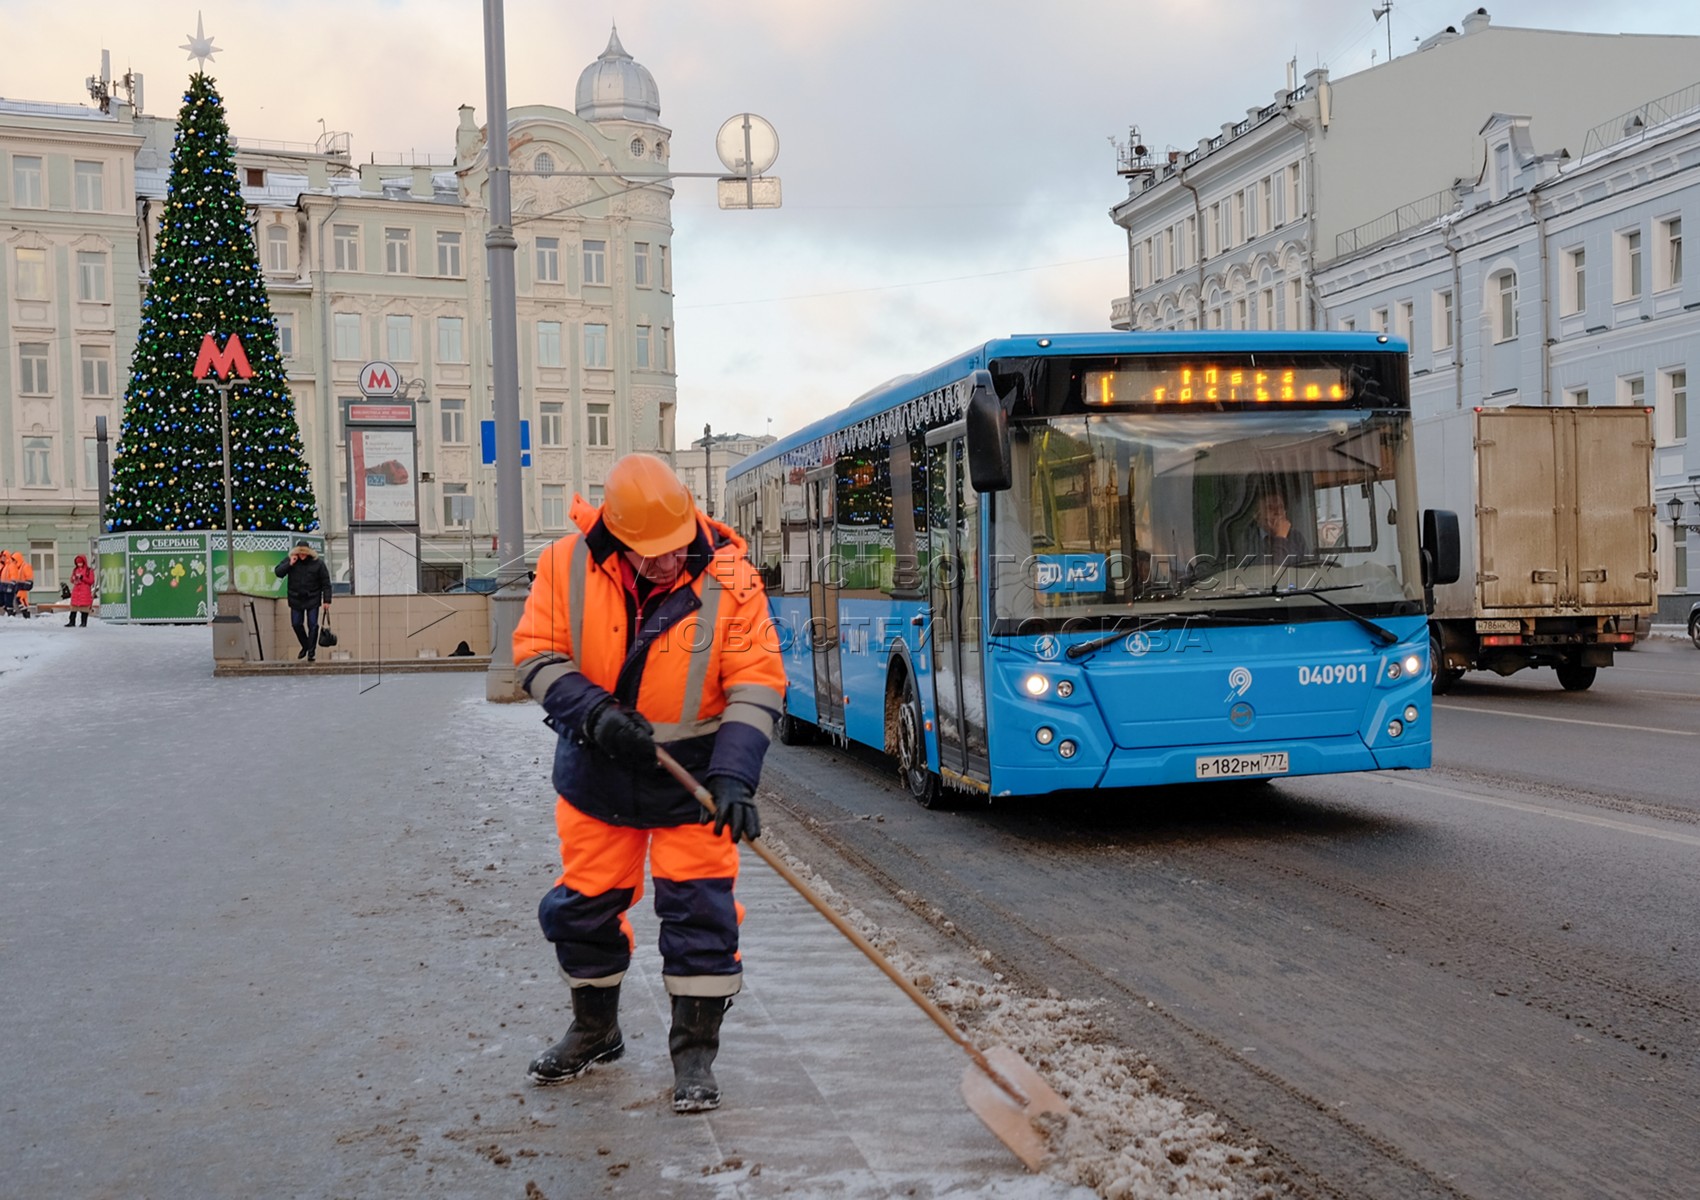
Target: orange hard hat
[{"x": 647, "y": 506}]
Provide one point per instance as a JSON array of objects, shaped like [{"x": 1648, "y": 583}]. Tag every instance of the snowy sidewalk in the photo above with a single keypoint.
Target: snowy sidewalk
[{"x": 276, "y": 937}]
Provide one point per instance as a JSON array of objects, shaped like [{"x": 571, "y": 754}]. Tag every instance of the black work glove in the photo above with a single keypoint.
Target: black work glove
[
  {"x": 734, "y": 809},
  {"x": 624, "y": 736}
]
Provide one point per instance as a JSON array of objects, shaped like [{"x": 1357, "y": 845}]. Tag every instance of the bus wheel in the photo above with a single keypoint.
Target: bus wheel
[
  {"x": 792, "y": 732},
  {"x": 911, "y": 740},
  {"x": 1573, "y": 677}
]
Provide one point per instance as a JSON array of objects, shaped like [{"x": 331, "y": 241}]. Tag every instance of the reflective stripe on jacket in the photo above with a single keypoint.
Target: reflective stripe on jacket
[{"x": 701, "y": 663}]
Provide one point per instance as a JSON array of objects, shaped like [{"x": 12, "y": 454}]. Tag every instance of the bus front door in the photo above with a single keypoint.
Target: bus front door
[
  {"x": 953, "y": 519},
  {"x": 823, "y": 601}
]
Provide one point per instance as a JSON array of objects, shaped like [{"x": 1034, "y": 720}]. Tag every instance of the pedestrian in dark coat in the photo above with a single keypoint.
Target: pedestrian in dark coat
[
  {"x": 82, "y": 591},
  {"x": 309, "y": 591}
]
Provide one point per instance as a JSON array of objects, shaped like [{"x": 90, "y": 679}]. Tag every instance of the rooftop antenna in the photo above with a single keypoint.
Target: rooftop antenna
[
  {"x": 100, "y": 86},
  {"x": 1385, "y": 9}
]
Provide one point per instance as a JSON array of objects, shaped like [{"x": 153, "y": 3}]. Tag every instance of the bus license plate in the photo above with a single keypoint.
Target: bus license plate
[{"x": 1224, "y": 766}]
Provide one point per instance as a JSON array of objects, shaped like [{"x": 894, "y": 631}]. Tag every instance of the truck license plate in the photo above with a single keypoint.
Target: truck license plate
[
  {"x": 1497, "y": 625},
  {"x": 1223, "y": 766}
]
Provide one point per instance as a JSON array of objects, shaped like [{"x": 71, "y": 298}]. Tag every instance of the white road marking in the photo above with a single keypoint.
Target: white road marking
[
  {"x": 1499, "y": 712},
  {"x": 1674, "y": 695},
  {"x": 1540, "y": 810}
]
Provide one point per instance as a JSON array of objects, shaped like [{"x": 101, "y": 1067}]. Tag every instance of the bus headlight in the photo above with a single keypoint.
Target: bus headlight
[
  {"x": 1066, "y": 749},
  {"x": 1411, "y": 714},
  {"x": 1036, "y": 685},
  {"x": 1395, "y": 727},
  {"x": 1044, "y": 734},
  {"x": 1413, "y": 664},
  {"x": 1065, "y": 689}
]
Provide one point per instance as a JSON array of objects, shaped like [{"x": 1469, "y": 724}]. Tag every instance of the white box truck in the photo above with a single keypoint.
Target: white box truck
[{"x": 1556, "y": 531}]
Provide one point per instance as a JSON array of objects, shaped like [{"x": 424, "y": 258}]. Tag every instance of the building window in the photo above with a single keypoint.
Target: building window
[
  {"x": 38, "y": 462},
  {"x": 1628, "y": 265},
  {"x": 32, "y": 273},
  {"x": 1505, "y": 310},
  {"x": 452, "y": 414},
  {"x": 26, "y": 181},
  {"x": 345, "y": 242},
  {"x": 1348, "y": 324},
  {"x": 1378, "y": 320},
  {"x": 1681, "y": 571},
  {"x": 1295, "y": 306},
  {"x": 1501, "y": 171},
  {"x": 1295, "y": 202},
  {"x": 455, "y": 506},
  {"x": 1632, "y": 390},
  {"x": 277, "y": 248},
  {"x": 637, "y": 147},
  {"x": 91, "y": 276},
  {"x": 1241, "y": 318},
  {"x": 1403, "y": 318},
  {"x": 398, "y": 337},
  {"x": 665, "y": 362},
  {"x": 1266, "y": 318},
  {"x": 398, "y": 251},
  {"x": 97, "y": 370},
  {"x": 1576, "y": 397},
  {"x": 44, "y": 561},
  {"x": 285, "y": 323},
  {"x": 548, "y": 260},
  {"x": 1670, "y": 253},
  {"x": 255, "y": 176},
  {"x": 448, "y": 254},
  {"x": 345, "y": 329},
  {"x": 594, "y": 494},
  {"x": 91, "y": 463},
  {"x": 450, "y": 343},
  {"x": 1442, "y": 315},
  {"x": 554, "y": 506},
  {"x": 595, "y": 261},
  {"x": 32, "y": 369},
  {"x": 596, "y": 345},
  {"x": 544, "y": 163},
  {"x": 1266, "y": 203},
  {"x": 640, "y": 264},
  {"x": 551, "y": 424},
  {"x": 1670, "y": 407},
  {"x": 596, "y": 425},
  {"x": 90, "y": 186},
  {"x": 548, "y": 343},
  {"x": 666, "y": 269},
  {"x": 643, "y": 345},
  {"x": 1575, "y": 280}
]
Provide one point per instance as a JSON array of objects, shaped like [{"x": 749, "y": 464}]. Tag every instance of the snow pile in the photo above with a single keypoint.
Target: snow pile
[
  {"x": 1125, "y": 1140},
  {"x": 32, "y": 642}
]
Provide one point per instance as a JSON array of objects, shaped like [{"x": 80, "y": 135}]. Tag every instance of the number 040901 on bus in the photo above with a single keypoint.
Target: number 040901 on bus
[{"x": 1109, "y": 560}]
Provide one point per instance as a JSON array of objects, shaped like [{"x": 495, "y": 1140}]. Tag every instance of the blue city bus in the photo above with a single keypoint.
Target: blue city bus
[{"x": 1058, "y": 562}]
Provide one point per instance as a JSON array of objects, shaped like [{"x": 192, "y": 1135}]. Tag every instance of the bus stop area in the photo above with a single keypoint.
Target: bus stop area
[{"x": 277, "y": 937}]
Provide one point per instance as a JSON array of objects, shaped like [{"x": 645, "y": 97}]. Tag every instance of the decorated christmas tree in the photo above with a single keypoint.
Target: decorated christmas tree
[{"x": 205, "y": 278}]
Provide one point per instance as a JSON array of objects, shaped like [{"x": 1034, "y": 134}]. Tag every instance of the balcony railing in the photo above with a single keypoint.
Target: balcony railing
[
  {"x": 1390, "y": 225},
  {"x": 1633, "y": 123}
]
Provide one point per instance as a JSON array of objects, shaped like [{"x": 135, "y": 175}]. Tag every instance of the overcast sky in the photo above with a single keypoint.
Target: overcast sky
[{"x": 946, "y": 164}]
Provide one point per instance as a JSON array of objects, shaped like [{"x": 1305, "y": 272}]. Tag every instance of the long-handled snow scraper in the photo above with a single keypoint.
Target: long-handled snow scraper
[{"x": 1000, "y": 1087}]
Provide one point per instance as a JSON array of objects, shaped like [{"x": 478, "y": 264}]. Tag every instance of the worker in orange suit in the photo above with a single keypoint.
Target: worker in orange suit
[{"x": 649, "y": 627}]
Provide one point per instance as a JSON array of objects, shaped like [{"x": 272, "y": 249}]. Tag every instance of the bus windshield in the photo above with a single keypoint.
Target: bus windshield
[{"x": 1206, "y": 515}]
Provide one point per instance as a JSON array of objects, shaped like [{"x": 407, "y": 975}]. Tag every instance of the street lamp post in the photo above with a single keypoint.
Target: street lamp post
[
  {"x": 708, "y": 469},
  {"x": 508, "y": 602}
]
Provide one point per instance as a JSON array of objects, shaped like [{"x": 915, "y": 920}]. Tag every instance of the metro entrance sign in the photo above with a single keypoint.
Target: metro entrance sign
[{"x": 379, "y": 378}]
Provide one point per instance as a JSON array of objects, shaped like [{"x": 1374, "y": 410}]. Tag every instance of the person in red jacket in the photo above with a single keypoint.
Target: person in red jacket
[
  {"x": 649, "y": 627},
  {"x": 82, "y": 591}
]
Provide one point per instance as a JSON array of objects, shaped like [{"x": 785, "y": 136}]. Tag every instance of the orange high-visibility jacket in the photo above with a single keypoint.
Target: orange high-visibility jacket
[{"x": 702, "y": 664}]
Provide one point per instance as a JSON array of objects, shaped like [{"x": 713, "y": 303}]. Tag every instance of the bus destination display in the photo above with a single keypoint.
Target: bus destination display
[{"x": 1166, "y": 384}]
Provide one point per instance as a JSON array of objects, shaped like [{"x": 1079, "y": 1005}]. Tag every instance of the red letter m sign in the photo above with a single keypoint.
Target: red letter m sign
[{"x": 211, "y": 358}]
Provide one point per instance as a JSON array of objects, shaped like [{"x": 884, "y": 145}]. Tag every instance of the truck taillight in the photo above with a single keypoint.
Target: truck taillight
[
  {"x": 1502, "y": 639},
  {"x": 1621, "y": 638}
]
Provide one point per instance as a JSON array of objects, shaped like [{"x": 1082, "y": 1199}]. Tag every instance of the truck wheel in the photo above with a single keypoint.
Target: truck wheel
[
  {"x": 1444, "y": 677},
  {"x": 1573, "y": 677},
  {"x": 1694, "y": 630}
]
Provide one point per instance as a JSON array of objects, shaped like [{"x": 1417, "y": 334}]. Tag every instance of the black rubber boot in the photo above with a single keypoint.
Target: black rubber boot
[
  {"x": 594, "y": 1037},
  {"x": 85, "y": 623},
  {"x": 693, "y": 1042},
  {"x": 72, "y": 621}
]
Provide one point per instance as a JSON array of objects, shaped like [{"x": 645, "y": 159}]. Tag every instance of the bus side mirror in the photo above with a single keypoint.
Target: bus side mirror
[
  {"x": 988, "y": 438},
  {"x": 1440, "y": 547}
]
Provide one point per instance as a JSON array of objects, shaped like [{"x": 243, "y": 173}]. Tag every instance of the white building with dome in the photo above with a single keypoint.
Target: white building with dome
[{"x": 385, "y": 259}]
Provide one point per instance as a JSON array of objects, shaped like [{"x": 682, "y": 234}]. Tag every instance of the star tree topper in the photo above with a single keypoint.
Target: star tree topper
[{"x": 200, "y": 46}]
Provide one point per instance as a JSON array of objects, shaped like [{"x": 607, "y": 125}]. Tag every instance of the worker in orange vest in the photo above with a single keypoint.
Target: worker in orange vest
[
  {"x": 649, "y": 627},
  {"x": 8, "y": 582}
]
